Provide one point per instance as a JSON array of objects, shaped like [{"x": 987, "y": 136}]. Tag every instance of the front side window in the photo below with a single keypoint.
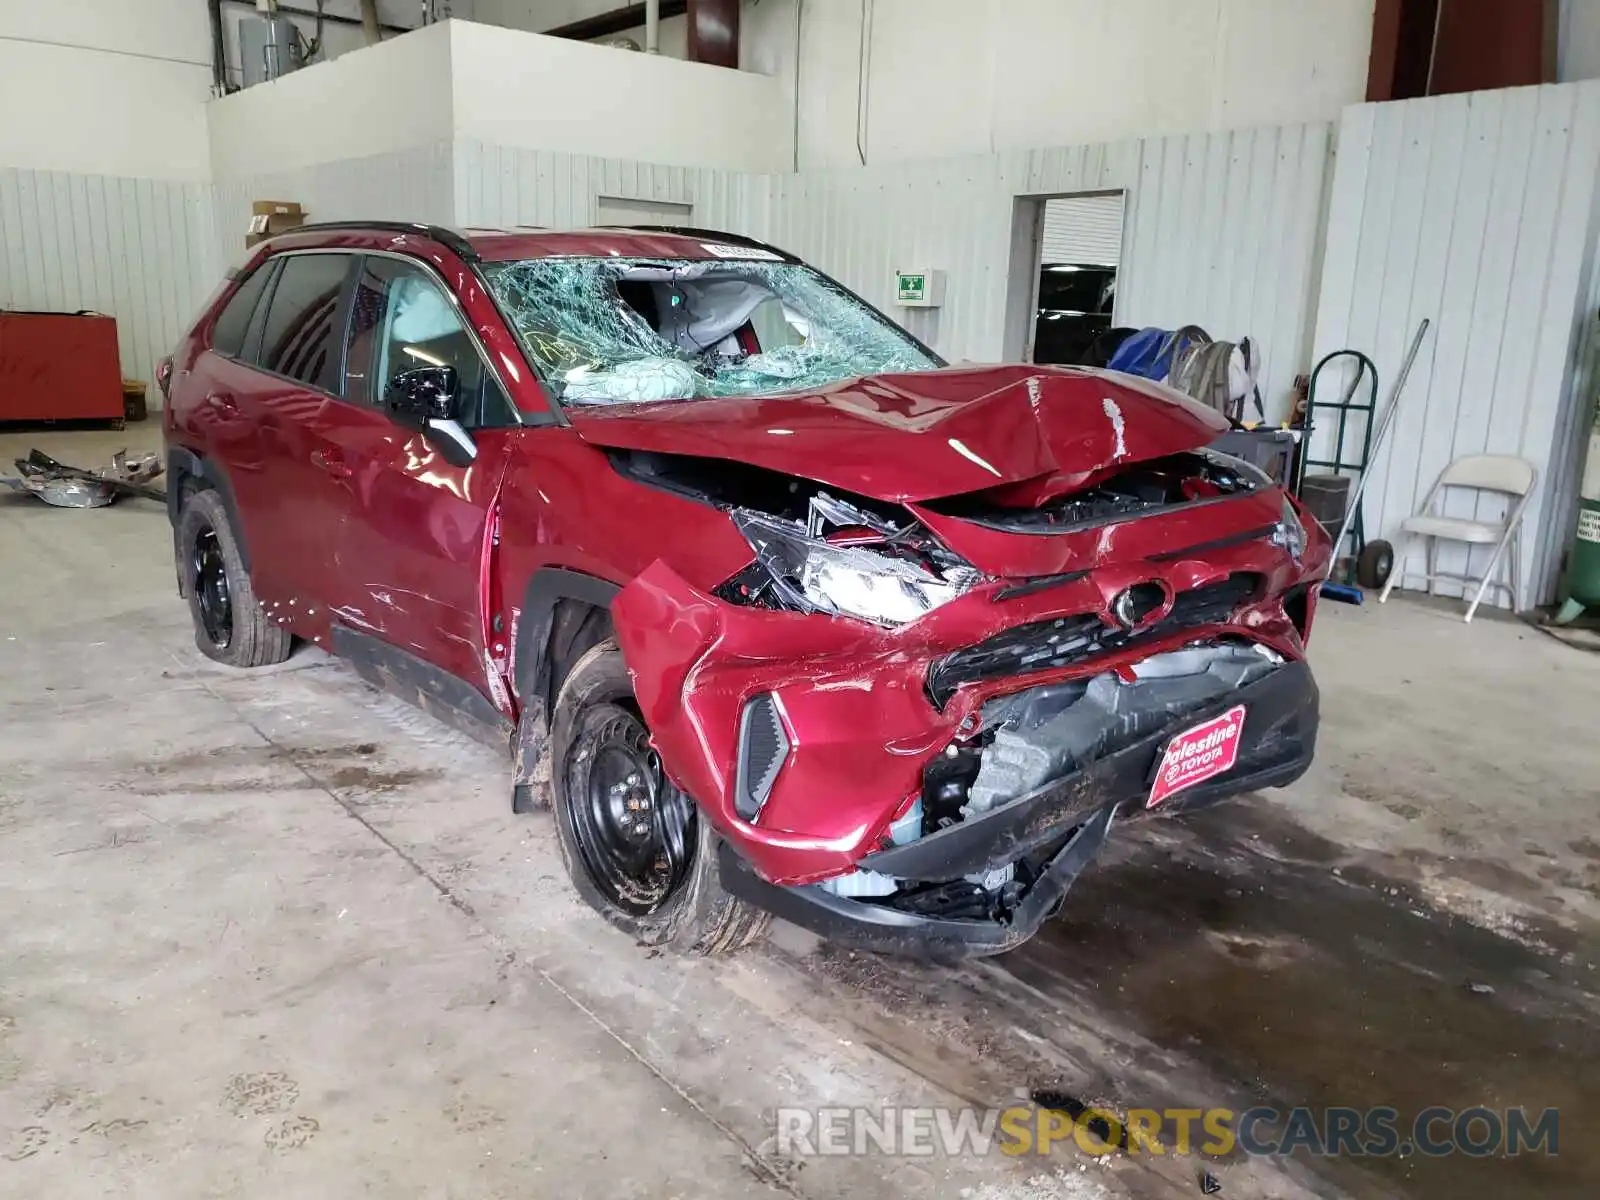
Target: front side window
[
  {"x": 401, "y": 318},
  {"x": 299, "y": 338},
  {"x": 617, "y": 330}
]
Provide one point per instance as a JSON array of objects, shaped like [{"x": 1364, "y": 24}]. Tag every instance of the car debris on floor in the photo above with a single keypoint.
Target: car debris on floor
[{"x": 65, "y": 486}]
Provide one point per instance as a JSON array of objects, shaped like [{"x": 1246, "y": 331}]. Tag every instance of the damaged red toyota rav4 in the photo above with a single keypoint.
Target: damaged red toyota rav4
[{"x": 783, "y": 614}]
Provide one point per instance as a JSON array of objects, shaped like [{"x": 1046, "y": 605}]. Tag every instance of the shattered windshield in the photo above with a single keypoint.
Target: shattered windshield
[{"x": 620, "y": 330}]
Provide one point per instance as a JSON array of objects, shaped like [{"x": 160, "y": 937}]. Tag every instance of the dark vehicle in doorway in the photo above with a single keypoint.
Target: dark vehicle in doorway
[
  {"x": 778, "y": 612},
  {"x": 1075, "y": 306}
]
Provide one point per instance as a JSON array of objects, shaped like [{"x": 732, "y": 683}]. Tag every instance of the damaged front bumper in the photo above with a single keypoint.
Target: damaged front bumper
[
  {"x": 1061, "y": 825},
  {"x": 812, "y": 743}
]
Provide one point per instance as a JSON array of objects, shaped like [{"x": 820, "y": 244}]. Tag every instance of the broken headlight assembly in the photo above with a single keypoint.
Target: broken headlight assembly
[
  {"x": 864, "y": 566},
  {"x": 1289, "y": 532}
]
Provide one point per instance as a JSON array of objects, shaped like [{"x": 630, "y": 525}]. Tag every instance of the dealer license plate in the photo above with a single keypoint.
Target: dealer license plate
[{"x": 1197, "y": 754}]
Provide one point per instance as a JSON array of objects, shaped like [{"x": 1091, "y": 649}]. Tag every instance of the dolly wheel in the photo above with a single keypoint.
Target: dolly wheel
[{"x": 1374, "y": 565}]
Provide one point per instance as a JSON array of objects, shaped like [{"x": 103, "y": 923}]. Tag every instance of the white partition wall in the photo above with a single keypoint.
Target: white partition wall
[
  {"x": 1478, "y": 212},
  {"x": 528, "y": 91},
  {"x": 460, "y": 81}
]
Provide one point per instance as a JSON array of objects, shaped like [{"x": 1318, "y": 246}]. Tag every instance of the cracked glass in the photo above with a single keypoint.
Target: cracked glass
[{"x": 619, "y": 330}]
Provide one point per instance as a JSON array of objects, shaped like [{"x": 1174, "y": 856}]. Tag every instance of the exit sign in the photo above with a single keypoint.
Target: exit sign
[{"x": 919, "y": 289}]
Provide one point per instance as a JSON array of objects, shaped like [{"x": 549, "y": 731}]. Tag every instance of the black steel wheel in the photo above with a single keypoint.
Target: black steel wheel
[
  {"x": 636, "y": 847},
  {"x": 634, "y": 829},
  {"x": 212, "y": 599},
  {"x": 229, "y": 625}
]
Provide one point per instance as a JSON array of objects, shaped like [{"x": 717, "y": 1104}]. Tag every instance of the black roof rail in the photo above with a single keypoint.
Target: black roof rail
[
  {"x": 731, "y": 239},
  {"x": 445, "y": 236}
]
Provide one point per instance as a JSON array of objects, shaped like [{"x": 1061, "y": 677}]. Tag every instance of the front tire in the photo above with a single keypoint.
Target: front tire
[
  {"x": 635, "y": 846},
  {"x": 229, "y": 625}
]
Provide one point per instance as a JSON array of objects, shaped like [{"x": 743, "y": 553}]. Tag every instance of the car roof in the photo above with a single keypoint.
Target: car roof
[{"x": 501, "y": 245}]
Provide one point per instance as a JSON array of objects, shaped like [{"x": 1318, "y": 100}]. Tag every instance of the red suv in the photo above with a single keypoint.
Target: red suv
[{"x": 783, "y": 614}]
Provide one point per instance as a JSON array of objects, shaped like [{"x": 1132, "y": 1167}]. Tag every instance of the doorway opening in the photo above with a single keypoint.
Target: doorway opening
[{"x": 1065, "y": 254}]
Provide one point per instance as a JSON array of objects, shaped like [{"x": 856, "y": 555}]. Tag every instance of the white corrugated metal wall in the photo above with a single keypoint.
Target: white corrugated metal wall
[
  {"x": 1243, "y": 276},
  {"x": 503, "y": 185},
  {"x": 406, "y": 185},
  {"x": 1477, "y": 211},
  {"x": 134, "y": 249},
  {"x": 149, "y": 252},
  {"x": 1221, "y": 231}
]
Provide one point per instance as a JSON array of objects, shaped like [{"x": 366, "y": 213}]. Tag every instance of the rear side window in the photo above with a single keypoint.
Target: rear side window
[
  {"x": 228, "y": 335},
  {"x": 300, "y": 338}
]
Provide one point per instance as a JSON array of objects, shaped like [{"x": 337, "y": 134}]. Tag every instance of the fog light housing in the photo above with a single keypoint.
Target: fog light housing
[{"x": 763, "y": 749}]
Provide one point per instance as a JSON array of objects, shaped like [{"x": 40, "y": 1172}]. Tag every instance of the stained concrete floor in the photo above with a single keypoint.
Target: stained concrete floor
[{"x": 274, "y": 934}]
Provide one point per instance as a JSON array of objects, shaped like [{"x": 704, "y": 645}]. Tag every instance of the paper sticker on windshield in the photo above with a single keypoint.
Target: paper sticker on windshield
[{"x": 722, "y": 251}]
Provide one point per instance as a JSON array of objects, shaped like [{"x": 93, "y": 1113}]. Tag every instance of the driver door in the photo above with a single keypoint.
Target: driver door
[{"x": 410, "y": 552}]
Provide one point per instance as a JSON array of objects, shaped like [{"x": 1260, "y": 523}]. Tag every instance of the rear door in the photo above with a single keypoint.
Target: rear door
[
  {"x": 280, "y": 388},
  {"x": 412, "y": 554}
]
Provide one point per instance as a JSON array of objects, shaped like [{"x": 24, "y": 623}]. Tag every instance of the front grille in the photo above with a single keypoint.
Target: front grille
[
  {"x": 1066, "y": 641},
  {"x": 1213, "y": 603}
]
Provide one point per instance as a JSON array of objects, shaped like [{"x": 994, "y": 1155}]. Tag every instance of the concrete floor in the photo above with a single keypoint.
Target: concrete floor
[{"x": 275, "y": 934}]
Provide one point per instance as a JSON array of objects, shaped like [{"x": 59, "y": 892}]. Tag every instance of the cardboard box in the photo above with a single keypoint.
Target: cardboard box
[{"x": 269, "y": 218}]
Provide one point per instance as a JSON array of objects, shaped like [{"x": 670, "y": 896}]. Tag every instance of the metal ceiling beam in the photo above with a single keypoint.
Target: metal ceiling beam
[
  {"x": 618, "y": 20},
  {"x": 290, "y": 10}
]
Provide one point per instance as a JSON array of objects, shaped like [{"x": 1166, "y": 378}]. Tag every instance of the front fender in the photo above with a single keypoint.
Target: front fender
[{"x": 859, "y": 723}]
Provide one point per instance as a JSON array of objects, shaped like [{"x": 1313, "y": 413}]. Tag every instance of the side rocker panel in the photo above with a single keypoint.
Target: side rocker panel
[{"x": 436, "y": 692}]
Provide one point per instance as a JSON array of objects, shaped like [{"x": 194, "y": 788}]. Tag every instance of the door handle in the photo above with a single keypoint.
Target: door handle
[
  {"x": 332, "y": 462},
  {"x": 223, "y": 402}
]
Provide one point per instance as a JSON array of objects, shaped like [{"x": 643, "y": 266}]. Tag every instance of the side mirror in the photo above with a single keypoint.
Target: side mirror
[
  {"x": 428, "y": 399},
  {"x": 424, "y": 394}
]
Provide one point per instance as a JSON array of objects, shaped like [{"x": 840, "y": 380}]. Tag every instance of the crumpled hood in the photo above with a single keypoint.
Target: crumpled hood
[{"x": 925, "y": 435}]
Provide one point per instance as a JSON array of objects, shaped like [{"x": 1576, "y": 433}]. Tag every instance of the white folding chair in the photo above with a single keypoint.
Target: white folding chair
[{"x": 1503, "y": 473}]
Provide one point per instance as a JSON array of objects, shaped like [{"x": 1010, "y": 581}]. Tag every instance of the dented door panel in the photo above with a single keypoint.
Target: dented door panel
[{"x": 411, "y": 559}]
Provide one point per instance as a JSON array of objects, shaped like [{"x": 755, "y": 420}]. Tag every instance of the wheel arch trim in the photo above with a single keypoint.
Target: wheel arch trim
[
  {"x": 182, "y": 463},
  {"x": 545, "y": 588}
]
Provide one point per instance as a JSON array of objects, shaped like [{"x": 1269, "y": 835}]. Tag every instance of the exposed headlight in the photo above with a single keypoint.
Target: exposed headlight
[
  {"x": 1243, "y": 468},
  {"x": 812, "y": 575},
  {"x": 1289, "y": 533}
]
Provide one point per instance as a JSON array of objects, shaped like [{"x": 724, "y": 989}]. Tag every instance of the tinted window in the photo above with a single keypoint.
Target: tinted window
[
  {"x": 228, "y": 336},
  {"x": 251, "y": 351},
  {"x": 299, "y": 337},
  {"x": 400, "y": 318}
]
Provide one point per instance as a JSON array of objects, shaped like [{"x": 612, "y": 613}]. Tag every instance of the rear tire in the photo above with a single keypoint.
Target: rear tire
[
  {"x": 636, "y": 848},
  {"x": 229, "y": 625}
]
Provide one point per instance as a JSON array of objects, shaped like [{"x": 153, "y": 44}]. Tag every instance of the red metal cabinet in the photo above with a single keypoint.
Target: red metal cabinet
[{"x": 59, "y": 367}]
